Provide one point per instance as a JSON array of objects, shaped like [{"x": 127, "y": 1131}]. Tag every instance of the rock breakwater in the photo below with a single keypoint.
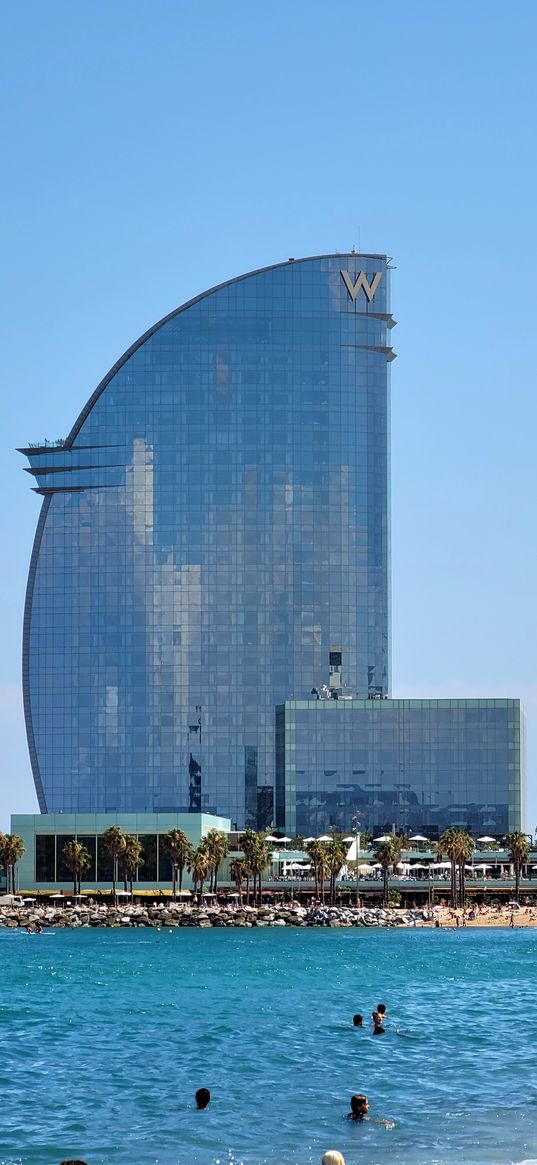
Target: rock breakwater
[{"x": 176, "y": 915}]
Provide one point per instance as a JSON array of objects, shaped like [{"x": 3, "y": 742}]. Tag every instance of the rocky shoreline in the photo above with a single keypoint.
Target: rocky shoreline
[{"x": 175, "y": 915}]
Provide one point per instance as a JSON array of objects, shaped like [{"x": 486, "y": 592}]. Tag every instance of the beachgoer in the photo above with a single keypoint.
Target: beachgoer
[
  {"x": 332, "y": 1157},
  {"x": 377, "y": 1017},
  {"x": 358, "y": 1020},
  {"x": 378, "y": 1030},
  {"x": 203, "y": 1097},
  {"x": 359, "y": 1107},
  {"x": 381, "y": 1008},
  {"x": 77, "y": 1162}
]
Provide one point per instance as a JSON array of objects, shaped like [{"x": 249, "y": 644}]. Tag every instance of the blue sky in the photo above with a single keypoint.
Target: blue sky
[{"x": 152, "y": 150}]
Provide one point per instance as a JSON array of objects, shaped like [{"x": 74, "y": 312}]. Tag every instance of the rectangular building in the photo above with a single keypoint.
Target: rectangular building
[{"x": 416, "y": 765}]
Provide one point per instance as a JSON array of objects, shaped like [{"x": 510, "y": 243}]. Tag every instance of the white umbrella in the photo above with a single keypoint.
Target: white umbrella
[
  {"x": 349, "y": 840},
  {"x": 284, "y": 839},
  {"x": 486, "y": 838},
  {"x": 440, "y": 865},
  {"x": 418, "y": 866},
  {"x": 418, "y": 837},
  {"x": 307, "y": 839},
  {"x": 365, "y": 869},
  {"x": 324, "y": 837},
  {"x": 272, "y": 838},
  {"x": 385, "y": 837}
]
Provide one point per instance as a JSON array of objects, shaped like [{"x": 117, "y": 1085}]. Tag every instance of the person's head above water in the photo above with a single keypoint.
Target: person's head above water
[
  {"x": 358, "y": 1020},
  {"x": 77, "y": 1162},
  {"x": 332, "y": 1157},
  {"x": 359, "y": 1105},
  {"x": 381, "y": 1008},
  {"x": 203, "y": 1097}
]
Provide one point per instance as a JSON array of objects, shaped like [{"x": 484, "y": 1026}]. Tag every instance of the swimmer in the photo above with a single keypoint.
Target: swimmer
[
  {"x": 360, "y": 1109},
  {"x": 358, "y": 1020},
  {"x": 202, "y": 1098},
  {"x": 77, "y": 1162},
  {"x": 378, "y": 1030},
  {"x": 381, "y": 1008},
  {"x": 332, "y": 1157},
  {"x": 377, "y": 1018}
]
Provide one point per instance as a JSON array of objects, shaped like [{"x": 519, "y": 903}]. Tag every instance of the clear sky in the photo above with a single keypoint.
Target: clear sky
[{"x": 151, "y": 150}]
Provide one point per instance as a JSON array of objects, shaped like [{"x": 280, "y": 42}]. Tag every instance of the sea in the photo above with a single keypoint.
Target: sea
[{"x": 106, "y": 1034}]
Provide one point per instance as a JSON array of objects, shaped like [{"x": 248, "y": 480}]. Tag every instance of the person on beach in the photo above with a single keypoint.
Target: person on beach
[
  {"x": 358, "y": 1020},
  {"x": 202, "y": 1098},
  {"x": 332, "y": 1157}
]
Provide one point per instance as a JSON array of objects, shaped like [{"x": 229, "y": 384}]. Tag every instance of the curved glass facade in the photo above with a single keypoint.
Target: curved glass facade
[{"x": 216, "y": 523}]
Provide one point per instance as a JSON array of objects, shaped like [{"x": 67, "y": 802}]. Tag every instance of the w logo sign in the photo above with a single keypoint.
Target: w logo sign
[{"x": 362, "y": 281}]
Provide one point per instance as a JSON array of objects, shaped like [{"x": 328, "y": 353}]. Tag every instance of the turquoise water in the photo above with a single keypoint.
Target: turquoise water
[{"x": 105, "y": 1035}]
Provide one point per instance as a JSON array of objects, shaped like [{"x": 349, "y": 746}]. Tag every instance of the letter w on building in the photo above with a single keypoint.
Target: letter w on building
[{"x": 361, "y": 282}]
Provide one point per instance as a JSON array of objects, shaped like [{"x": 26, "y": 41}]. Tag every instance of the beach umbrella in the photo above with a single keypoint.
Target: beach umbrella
[
  {"x": 308, "y": 839},
  {"x": 324, "y": 837},
  {"x": 440, "y": 865},
  {"x": 284, "y": 839},
  {"x": 418, "y": 837},
  {"x": 418, "y": 866},
  {"x": 365, "y": 869},
  {"x": 486, "y": 838},
  {"x": 349, "y": 840},
  {"x": 385, "y": 837},
  {"x": 272, "y": 838}
]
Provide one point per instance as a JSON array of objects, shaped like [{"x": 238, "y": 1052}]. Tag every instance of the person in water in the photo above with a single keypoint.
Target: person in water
[
  {"x": 358, "y": 1020},
  {"x": 77, "y": 1162},
  {"x": 381, "y": 1009},
  {"x": 359, "y": 1107},
  {"x": 378, "y": 1030},
  {"x": 203, "y": 1097},
  {"x": 332, "y": 1157}
]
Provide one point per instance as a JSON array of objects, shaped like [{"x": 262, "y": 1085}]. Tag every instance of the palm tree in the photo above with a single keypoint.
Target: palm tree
[
  {"x": 198, "y": 864},
  {"x": 466, "y": 846},
  {"x": 12, "y": 849},
  {"x": 131, "y": 858},
  {"x": 517, "y": 844},
  {"x": 318, "y": 856},
  {"x": 77, "y": 859},
  {"x": 179, "y": 849},
  {"x": 248, "y": 844},
  {"x": 216, "y": 846},
  {"x": 388, "y": 853},
  {"x": 458, "y": 844},
  {"x": 114, "y": 843},
  {"x": 260, "y": 862},
  {"x": 336, "y": 853},
  {"x": 448, "y": 843},
  {"x": 237, "y": 870}
]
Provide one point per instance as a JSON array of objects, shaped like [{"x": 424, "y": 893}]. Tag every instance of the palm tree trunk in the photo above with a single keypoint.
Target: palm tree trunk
[
  {"x": 216, "y": 876},
  {"x": 517, "y": 880},
  {"x": 180, "y": 878},
  {"x": 385, "y": 878}
]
